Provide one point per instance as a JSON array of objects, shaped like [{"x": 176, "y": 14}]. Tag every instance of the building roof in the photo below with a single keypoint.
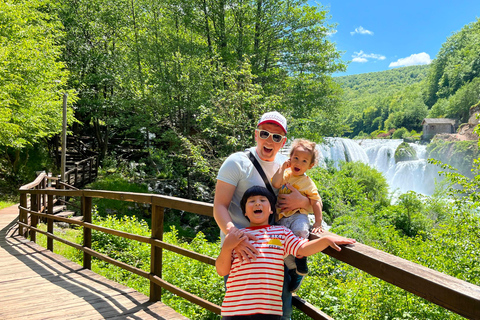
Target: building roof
[{"x": 438, "y": 121}]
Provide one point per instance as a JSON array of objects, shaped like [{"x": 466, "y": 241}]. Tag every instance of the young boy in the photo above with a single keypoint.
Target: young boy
[
  {"x": 254, "y": 288},
  {"x": 303, "y": 156}
]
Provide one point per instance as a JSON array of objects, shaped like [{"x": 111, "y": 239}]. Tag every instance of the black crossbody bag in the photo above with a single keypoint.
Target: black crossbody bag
[{"x": 259, "y": 168}]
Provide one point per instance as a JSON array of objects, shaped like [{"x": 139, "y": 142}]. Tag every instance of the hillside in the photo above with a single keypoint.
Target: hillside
[
  {"x": 377, "y": 104},
  {"x": 360, "y": 86}
]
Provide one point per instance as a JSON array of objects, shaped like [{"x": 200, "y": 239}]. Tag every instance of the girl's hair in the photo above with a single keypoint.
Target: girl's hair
[
  {"x": 257, "y": 191},
  {"x": 307, "y": 145}
]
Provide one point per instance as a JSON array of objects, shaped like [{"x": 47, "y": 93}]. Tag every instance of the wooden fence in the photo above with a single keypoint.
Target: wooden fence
[
  {"x": 446, "y": 291},
  {"x": 82, "y": 172}
]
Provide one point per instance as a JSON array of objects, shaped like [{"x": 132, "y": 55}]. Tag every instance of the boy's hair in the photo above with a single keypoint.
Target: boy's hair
[
  {"x": 307, "y": 145},
  {"x": 257, "y": 191}
]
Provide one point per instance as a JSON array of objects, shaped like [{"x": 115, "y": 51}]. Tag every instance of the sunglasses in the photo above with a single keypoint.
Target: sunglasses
[{"x": 264, "y": 134}]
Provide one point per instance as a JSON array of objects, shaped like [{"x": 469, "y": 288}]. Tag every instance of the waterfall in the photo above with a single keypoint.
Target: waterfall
[{"x": 414, "y": 175}]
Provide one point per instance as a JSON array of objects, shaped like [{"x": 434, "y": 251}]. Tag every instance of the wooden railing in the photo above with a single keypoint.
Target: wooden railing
[
  {"x": 446, "y": 291},
  {"x": 83, "y": 172}
]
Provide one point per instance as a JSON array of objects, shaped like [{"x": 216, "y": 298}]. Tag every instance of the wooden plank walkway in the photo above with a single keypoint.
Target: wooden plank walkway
[{"x": 38, "y": 284}]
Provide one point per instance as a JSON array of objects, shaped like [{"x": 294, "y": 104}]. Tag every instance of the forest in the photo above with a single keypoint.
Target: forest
[{"x": 182, "y": 84}]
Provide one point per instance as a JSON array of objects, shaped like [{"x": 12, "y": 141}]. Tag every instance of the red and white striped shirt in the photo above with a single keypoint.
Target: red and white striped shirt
[{"x": 256, "y": 287}]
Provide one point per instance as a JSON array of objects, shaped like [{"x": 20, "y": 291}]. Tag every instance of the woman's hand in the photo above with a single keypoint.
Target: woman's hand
[
  {"x": 293, "y": 200},
  {"x": 244, "y": 248}
]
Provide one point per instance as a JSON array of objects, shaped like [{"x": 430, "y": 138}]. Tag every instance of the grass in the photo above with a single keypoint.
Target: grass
[
  {"x": 6, "y": 204},
  {"x": 73, "y": 235}
]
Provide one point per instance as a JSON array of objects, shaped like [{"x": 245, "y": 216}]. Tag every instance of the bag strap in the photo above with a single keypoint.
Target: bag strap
[
  {"x": 260, "y": 171},
  {"x": 273, "y": 218}
]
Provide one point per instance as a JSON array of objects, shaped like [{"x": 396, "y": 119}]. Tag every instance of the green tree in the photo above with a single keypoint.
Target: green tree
[
  {"x": 457, "y": 63},
  {"x": 191, "y": 77},
  {"x": 31, "y": 77}
]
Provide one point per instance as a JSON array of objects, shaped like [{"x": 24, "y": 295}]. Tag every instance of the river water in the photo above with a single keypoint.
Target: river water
[{"x": 415, "y": 175}]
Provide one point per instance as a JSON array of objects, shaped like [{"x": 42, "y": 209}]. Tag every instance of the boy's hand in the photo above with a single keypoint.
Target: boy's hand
[
  {"x": 317, "y": 227},
  {"x": 286, "y": 164},
  {"x": 334, "y": 242}
]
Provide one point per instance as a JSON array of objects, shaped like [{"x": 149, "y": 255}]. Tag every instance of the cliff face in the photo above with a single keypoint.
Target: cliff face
[
  {"x": 465, "y": 133},
  {"x": 457, "y": 153}
]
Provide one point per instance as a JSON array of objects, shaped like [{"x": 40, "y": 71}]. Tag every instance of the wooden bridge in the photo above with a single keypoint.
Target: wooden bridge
[{"x": 36, "y": 283}]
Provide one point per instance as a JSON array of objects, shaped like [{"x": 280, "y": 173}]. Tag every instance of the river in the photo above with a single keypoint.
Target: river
[{"x": 415, "y": 175}]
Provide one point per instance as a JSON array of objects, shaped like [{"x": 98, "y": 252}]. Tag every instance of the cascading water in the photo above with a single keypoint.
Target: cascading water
[{"x": 415, "y": 175}]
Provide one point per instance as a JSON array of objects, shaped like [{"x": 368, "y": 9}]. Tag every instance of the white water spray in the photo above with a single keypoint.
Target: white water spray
[{"x": 414, "y": 175}]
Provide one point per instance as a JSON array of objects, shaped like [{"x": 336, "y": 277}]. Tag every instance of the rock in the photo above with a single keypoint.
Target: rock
[{"x": 405, "y": 152}]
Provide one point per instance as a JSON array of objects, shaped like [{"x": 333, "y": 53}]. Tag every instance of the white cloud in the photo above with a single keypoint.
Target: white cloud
[
  {"x": 363, "y": 57},
  {"x": 413, "y": 60},
  {"x": 358, "y": 59},
  {"x": 361, "y": 30}
]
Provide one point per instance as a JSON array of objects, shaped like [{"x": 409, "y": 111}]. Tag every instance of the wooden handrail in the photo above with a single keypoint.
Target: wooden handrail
[
  {"x": 84, "y": 160},
  {"x": 448, "y": 292},
  {"x": 36, "y": 182}
]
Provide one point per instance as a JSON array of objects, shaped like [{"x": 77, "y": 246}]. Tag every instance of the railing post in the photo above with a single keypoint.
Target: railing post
[
  {"x": 83, "y": 174},
  {"x": 96, "y": 167},
  {"x": 43, "y": 197},
  {"x": 34, "y": 218},
  {"x": 90, "y": 170},
  {"x": 23, "y": 215},
  {"x": 50, "y": 222},
  {"x": 156, "y": 252},
  {"x": 75, "y": 180},
  {"x": 87, "y": 232}
]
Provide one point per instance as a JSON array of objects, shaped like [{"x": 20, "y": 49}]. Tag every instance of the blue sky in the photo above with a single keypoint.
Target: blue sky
[{"x": 381, "y": 35}]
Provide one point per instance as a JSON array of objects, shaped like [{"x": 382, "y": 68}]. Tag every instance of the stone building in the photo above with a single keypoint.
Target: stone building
[{"x": 433, "y": 126}]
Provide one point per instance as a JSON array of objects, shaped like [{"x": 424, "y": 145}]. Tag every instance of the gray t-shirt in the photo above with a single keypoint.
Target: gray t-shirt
[{"x": 239, "y": 171}]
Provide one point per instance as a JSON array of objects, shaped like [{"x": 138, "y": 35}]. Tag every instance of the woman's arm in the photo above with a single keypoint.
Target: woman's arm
[
  {"x": 223, "y": 264},
  {"x": 223, "y": 196}
]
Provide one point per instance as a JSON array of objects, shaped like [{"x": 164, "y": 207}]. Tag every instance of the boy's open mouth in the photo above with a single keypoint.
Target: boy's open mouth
[{"x": 257, "y": 211}]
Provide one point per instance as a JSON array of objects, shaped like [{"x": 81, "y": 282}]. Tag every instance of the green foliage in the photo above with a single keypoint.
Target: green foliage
[
  {"x": 187, "y": 274},
  {"x": 457, "y": 106},
  {"x": 6, "y": 204},
  {"x": 355, "y": 183},
  {"x": 193, "y": 276},
  {"x": 408, "y": 217},
  {"x": 405, "y": 152},
  {"x": 458, "y": 154},
  {"x": 31, "y": 77},
  {"x": 117, "y": 182},
  {"x": 72, "y": 235},
  {"x": 138, "y": 253},
  {"x": 391, "y": 99},
  {"x": 384, "y": 100},
  {"x": 190, "y": 78},
  {"x": 457, "y": 63},
  {"x": 400, "y": 133},
  {"x": 30, "y": 108}
]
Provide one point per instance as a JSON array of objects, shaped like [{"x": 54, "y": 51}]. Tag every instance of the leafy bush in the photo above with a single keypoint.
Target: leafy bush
[
  {"x": 117, "y": 182},
  {"x": 353, "y": 184},
  {"x": 399, "y": 133}
]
